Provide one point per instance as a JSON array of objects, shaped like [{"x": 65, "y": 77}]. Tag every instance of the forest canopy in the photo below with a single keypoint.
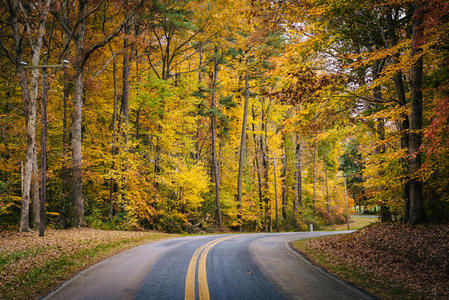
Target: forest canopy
[{"x": 201, "y": 115}]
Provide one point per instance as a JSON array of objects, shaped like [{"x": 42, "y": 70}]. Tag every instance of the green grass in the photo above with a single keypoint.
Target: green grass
[
  {"x": 355, "y": 222},
  {"x": 380, "y": 287},
  {"x": 8, "y": 258}
]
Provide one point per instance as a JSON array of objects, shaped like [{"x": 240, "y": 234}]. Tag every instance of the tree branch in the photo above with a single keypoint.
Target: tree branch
[
  {"x": 112, "y": 34},
  {"x": 152, "y": 67},
  {"x": 370, "y": 99},
  {"x": 107, "y": 63}
]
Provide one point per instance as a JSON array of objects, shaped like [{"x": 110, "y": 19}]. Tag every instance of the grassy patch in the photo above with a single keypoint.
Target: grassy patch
[
  {"x": 355, "y": 222},
  {"x": 7, "y": 258},
  {"x": 31, "y": 266}
]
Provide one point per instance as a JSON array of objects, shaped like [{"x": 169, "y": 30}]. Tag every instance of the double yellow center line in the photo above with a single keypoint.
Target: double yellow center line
[{"x": 203, "y": 288}]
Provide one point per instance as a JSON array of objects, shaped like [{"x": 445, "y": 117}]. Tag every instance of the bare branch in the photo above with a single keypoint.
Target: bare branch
[
  {"x": 112, "y": 34},
  {"x": 370, "y": 99},
  {"x": 188, "y": 40},
  {"x": 108, "y": 62},
  {"x": 159, "y": 42},
  {"x": 152, "y": 67}
]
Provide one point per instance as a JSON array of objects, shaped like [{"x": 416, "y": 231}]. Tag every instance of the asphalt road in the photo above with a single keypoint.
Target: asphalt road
[{"x": 236, "y": 266}]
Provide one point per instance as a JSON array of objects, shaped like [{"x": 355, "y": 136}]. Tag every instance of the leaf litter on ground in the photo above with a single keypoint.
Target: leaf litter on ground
[
  {"x": 31, "y": 265},
  {"x": 415, "y": 258}
]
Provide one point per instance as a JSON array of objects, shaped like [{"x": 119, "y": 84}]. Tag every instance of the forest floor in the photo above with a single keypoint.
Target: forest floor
[
  {"x": 31, "y": 266},
  {"x": 391, "y": 261}
]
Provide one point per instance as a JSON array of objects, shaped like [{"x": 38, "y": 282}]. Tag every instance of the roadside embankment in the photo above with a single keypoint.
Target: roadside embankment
[
  {"x": 31, "y": 266},
  {"x": 391, "y": 261}
]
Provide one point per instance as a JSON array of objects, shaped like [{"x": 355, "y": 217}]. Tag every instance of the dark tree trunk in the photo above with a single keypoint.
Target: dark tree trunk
[
  {"x": 298, "y": 177},
  {"x": 125, "y": 86},
  {"x": 264, "y": 154},
  {"x": 112, "y": 183},
  {"x": 284, "y": 187},
  {"x": 35, "y": 190},
  {"x": 198, "y": 122},
  {"x": 404, "y": 140},
  {"x": 257, "y": 160},
  {"x": 327, "y": 187},
  {"x": 65, "y": 203},
  {"x": 125, "y": 101},
  {"x": 385, "y": 213},
  {"x": 139, "y": 110},
  {"x": 390, "y": 41},
  {"x": 314, "y": 178},
  {"x": 214, "y": 150},
  {"x": 417, "y": 213},
  {"x": 242, "y": 154},
  {"x": 43, "y": 151},
  {"x": 275, "y": 193}
]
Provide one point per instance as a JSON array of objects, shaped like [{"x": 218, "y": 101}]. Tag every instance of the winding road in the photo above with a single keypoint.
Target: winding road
[{"x": 234, "y": 266}]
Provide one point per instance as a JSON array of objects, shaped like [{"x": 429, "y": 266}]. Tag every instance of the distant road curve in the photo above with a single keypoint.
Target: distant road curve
[{"x": 234, "y": 266}]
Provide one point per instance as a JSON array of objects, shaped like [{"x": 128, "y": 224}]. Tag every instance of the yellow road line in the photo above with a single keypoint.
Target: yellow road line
[
  {"x": 191, "y": 271},
  {"x": 203, "y": 287},
  {"x": 202, "y": 276}
]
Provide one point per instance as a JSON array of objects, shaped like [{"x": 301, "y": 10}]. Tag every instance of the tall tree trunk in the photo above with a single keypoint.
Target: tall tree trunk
[
  {"x": 264, "y": 153},
  {"x": 275, "y": 194},
  {"x": 327, "y": 187},
  {"x": 286, "y": 145},
  {"x": 417, "y": 213},
  {"x": 34, "y": 93},
  {"x": 77, "y": 192},
  {"x": 125, "y": 86},
  {"x": 65, "y": 203},
  {"x": 125, "y": 101},
  {"x": 29, "y": 96},
  {"x": 157, "y": 155},
  {"x": 35, "y": 191},
  {"x": 404, "y": 140},
  {"x": 198, "y": 122},
  {"x": 314, "y": 178},
  {"x": 139, "y": 110},
  {"x": 43, "y": 151},
  {"x": 30, "y": 111},
  {"x": 214, "y": 150},
  {"x": 284, "y": 186},
  {"x": 298, "y": 177},
  {"x": 242, "y": 154},
  {"x": 390, "y": 41},
  {"x": 257, "y": 159},
  {"x": 406, "y": 168},
  {"x": 385, "y": 213},
  {"x": 219, "y": 156},
  {"x": 112, "y": 183}
]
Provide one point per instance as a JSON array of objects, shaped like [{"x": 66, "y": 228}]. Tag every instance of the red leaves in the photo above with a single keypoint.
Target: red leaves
[
  {"x": 437, "y": 133},
  {"x": 437, "y": 12}
]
